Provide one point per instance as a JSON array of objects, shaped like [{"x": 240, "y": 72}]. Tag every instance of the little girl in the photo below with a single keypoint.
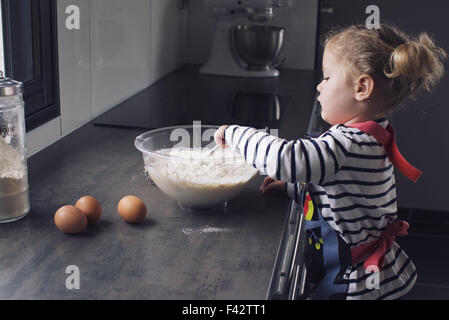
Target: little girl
[{"x": 344, "y": 179}]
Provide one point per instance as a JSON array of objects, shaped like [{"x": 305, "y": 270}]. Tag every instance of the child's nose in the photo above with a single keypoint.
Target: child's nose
[{"x": 318, "y": 87}]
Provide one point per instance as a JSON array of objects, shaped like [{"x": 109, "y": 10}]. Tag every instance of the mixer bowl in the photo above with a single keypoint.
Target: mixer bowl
[
  {"x": 176, "y": 160},
  {"x": 258, "y": 46}
]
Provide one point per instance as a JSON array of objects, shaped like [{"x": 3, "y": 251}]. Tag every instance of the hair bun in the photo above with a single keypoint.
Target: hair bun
[{"x": 417, "y": 62}]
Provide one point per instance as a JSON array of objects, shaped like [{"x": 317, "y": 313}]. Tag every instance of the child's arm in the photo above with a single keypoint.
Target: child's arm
[{"x": 315, "y": 160}]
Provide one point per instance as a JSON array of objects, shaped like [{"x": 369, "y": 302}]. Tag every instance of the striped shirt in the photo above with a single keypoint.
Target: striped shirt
[{"x": 352, "y": 182}]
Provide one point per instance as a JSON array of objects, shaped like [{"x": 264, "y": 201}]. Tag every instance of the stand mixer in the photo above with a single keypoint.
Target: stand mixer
[{"x": 244, "y": 50}]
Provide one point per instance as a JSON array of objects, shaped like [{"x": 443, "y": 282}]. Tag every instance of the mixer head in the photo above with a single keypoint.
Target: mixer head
[{"x": 257, "y": 10}]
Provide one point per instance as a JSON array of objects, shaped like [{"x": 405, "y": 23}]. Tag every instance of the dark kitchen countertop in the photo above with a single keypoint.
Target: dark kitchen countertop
[{"x": 170, "y": 255}]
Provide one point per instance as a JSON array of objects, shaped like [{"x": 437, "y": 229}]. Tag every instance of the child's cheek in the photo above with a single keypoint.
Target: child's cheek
[{"x": 323, "y": 99}]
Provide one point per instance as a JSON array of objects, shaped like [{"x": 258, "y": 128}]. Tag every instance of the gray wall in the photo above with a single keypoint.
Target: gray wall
[{"x": 122, "y": 47}]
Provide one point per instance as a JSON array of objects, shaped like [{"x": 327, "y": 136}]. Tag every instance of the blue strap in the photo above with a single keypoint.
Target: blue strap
[{"x": 326, "y": 288}]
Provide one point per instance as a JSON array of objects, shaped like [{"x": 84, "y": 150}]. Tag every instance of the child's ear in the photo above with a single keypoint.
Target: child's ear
[{"x": 364, "y": 88}]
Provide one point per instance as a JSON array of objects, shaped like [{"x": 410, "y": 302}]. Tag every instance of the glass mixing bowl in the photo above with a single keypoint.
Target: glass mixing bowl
[{"x": 177, "y": 159}]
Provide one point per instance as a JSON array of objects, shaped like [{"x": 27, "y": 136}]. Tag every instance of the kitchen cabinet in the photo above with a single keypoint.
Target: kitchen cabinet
[
  {"x": 29, "y": 41},
  {"x": 74, "y": 67},
  {"x": 422, "y": 131}
]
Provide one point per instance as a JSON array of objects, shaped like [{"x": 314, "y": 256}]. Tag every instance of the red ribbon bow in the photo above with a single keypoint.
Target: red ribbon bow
[{"x": 376, "y": 250}]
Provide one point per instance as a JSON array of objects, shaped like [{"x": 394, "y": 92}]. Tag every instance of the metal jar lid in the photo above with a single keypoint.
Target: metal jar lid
[{"x": 9, "y": 87}]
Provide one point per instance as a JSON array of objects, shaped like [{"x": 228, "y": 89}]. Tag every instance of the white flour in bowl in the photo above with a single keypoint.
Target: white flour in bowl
[
  {"x": 14, "y": 201},
  {"x": 194, "y": 178}
]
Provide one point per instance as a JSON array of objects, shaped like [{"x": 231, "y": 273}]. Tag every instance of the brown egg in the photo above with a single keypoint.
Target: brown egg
[
  {"x": 90, "y": 207},
  {"x": 132, "y": 209},
  {"x": 70, "y": 219}
]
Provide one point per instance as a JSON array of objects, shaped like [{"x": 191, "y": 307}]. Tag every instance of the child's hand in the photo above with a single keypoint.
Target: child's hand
[
  {"x": 219, "y": 136},
  {"x": 272, "y": 187}
]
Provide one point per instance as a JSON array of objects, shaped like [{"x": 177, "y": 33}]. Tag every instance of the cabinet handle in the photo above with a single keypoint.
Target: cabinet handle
[
  {"x": 329, "y": 10},
  {"x": 295, "y": 283},
  {"x": 303, "y": 281}
]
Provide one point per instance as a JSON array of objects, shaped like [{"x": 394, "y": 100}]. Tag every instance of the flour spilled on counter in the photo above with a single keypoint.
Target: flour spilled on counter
[{"x": 205, "y": 229}]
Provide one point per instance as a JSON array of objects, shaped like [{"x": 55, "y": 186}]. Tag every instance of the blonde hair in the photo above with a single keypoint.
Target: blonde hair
[{"x": 406, "y": 65}]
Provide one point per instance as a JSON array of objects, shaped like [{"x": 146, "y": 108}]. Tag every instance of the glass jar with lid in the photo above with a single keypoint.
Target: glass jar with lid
[{"x": 14, "y": 195}]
